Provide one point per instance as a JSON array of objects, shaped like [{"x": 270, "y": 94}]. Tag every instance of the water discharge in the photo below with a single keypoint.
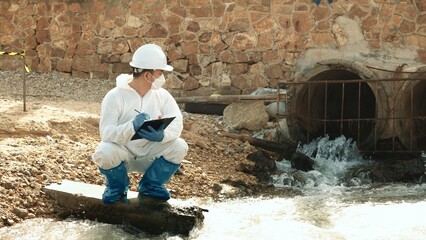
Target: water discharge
[
  {"x": 331, "y": 206},
  {"x": 332, "y": 160}
]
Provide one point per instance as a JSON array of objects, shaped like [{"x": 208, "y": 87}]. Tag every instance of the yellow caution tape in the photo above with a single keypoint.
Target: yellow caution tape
[
  {"x": 22, "y": 54},
  {"x": 12, "y": 53}
]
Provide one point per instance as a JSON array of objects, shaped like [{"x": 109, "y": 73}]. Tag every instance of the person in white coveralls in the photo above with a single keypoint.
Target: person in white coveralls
[{"x": 158, "y": 153}]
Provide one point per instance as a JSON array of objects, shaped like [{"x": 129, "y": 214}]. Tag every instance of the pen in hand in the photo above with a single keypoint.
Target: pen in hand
[{"x": 159, "y": 116}]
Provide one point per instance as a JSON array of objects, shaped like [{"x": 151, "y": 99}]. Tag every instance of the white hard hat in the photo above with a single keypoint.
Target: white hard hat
[{"x": 150, "y": 56}]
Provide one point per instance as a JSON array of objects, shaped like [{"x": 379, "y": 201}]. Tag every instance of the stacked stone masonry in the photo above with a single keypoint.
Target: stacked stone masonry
[{"x": 230, "y": 47}]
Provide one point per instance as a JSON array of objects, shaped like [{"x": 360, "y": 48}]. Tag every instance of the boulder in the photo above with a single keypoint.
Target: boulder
[{"x": 249, "y": 115}]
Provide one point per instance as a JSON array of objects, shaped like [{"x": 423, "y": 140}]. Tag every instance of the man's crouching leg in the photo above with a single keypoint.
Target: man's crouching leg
[
  {"x": 109, "y": 158},
  {"x": 158, "y": 174},
  {"x": 162, "y": 169},
  {"x": 117, "y": 184}
]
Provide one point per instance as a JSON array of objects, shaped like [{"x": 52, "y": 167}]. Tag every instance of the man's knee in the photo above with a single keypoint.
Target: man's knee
[
  {"x": 109, "y": 155},
  {"x": 181, "y": 146},
  {"x": 177, "y": 151}
]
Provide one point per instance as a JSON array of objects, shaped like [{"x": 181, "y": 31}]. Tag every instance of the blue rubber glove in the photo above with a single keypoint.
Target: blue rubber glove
[
  {"x": 152, "y": 135},
  {"x": 139, "y": 119}
]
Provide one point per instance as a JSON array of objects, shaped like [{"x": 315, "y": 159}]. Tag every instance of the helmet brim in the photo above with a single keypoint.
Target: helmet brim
[{"x": 167, "y": 68}]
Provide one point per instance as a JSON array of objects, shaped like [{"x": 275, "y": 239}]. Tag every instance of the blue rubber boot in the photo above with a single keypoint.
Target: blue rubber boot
[
  {"x": 117, "y": 184},
  {"x": 158, "y": 174}
]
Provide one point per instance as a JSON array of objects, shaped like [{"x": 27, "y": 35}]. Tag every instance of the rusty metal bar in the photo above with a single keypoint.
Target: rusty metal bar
[
  {"x": 227, "y": 98},
  {"x": 411, "y": 115},
  {"x": 393, "y": 130},
  {"x": 359, "y": 113},
  {"x": 391, "y": 151},
  {"x": 309, "y": 111},
  {"x": 278, "y": 104},
  {"x": 376, "y": 116},
  {"x": 292, "y": 113},
  {"x": 292, "y": 117},
  {"x": 325, "y": 108},
  {"x": 359, "y": 80},
  {"x": 368, "y": 119},
  {"x": 342, "y": 108}
]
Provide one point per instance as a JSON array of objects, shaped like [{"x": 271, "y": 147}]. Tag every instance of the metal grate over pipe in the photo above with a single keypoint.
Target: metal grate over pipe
[{"x": 351, "y": 106}]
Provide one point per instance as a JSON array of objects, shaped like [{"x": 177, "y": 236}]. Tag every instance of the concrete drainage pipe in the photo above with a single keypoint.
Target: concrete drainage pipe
[
  {"x": 318, "y": 108},
  {"x": 411, "y": 109}
]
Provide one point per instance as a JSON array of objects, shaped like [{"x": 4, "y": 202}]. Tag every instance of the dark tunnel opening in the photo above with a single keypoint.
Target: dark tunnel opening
[{"x": 336, "y": 109}]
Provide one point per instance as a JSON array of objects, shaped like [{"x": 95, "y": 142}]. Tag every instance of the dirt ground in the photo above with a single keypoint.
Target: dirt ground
[{"x": 56, "y": 135}]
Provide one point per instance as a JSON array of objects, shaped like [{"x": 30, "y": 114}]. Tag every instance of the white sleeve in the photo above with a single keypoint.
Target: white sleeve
[
  {"x": 111, "y": 130},
  {"x": 171, "y": 109}
]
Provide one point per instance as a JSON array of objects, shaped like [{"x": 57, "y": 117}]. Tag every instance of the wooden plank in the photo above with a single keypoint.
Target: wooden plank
[{"x": 85, "y": 201}]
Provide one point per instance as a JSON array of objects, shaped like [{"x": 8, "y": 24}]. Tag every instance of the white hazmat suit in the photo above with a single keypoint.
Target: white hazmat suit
[{"x": 118, "y": 110}]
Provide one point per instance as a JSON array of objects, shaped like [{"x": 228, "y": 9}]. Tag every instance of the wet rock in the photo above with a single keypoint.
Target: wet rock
[
  {"x": 398, "y": 170},
  {"x": 236, "y": 188},
  {"x": 391, "y": 170},
  {"x": 217, "y": 187},
  {"x": 302, "y": 162},
  {"x": 299, "y": 177},
  {"x": 262, "y": 160},
  {"x": 264, "y": 165}
]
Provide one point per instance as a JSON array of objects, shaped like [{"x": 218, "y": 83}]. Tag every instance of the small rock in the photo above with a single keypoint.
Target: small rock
[
  {"x": 217, "y": 187},
  {"x": 20, "y": 212},
  {"x": 49, "y": 138},
  {"x": 7, "y": 221},
  {"x": 9, "y": 185},
  {"x": 300, "y": 177}
]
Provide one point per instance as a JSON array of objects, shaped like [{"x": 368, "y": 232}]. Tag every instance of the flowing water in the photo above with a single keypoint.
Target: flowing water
[{"x": 328, "y": 208}]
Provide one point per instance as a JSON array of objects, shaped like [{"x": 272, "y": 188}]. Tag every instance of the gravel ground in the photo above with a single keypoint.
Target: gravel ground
[{"x": 54, "y": 139}]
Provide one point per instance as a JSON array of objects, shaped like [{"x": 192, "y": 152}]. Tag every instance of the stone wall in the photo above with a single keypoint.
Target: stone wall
[{"x": 230, "y": 47}]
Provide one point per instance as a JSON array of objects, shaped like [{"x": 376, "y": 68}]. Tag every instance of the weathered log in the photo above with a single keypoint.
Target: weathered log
[
  {"x": 286, "y": 147},
  {"x": 227, "y": 99},
  {"x": 84, "y": 201}
]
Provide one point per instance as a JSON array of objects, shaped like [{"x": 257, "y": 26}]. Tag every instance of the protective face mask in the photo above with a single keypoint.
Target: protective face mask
[{"x": 158, "y": 82}]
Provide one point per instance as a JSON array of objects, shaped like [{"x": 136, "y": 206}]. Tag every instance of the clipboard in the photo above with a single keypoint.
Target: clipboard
[{"x": 155, "y": 123}]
